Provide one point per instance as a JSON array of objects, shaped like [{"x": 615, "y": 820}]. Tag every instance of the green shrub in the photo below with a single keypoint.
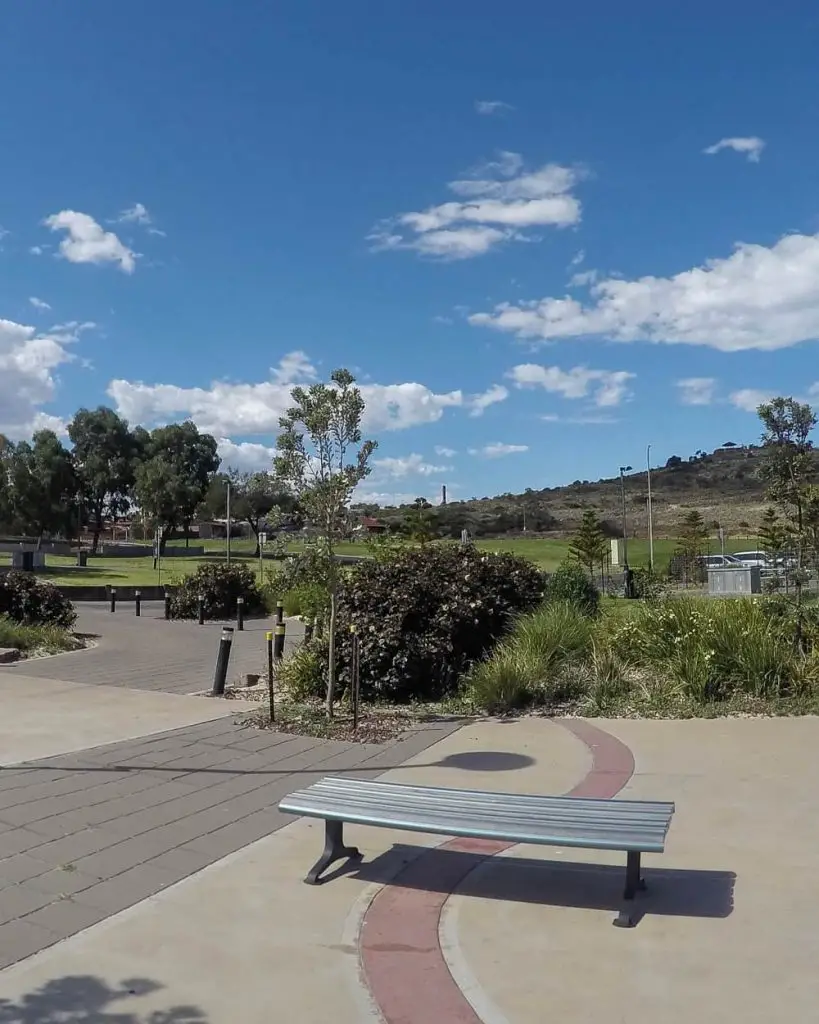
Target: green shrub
[
  {"x": 31, "y": 602},
  {"x": 299, "y": 582},
  {"x": 426, "y": 615},
  {"x": 36, "y": 638},
  {"x": 301, "y": 675},
  {"x": 220, "y": 584},
  {"x": 570, "y": 583},
  {"x": 537, "y": 663}
]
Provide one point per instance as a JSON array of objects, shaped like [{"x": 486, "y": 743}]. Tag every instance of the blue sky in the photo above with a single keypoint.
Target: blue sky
[{"x": 541, "y": 241}]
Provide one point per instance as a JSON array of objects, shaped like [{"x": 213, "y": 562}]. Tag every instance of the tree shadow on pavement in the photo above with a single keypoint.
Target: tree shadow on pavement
[{"x": 84, "y": 999}]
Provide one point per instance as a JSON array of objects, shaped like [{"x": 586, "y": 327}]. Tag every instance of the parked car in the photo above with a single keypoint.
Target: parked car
[
  {"x": 719, "y": 561},
  {"x": 753, "y": 558}
]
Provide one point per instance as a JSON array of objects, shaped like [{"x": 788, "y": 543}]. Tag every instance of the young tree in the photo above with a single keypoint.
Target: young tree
[
  {"x": 419, "y": 520},
  {"x": 588, "y": 545},
  {"x": 773, "y": 536},
  {"x": 693, "y": 534},
  {"x": 788, "y": 468},
  {"x": 43, "y": 485},
  {"x": 105, "y": 454},
  {"x": 321, "y": 459},
  {"x": 173, "y": 476}
]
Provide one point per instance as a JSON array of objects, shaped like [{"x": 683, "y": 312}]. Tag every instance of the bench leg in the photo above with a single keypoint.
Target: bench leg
[
  {"x": 334, "y": 849},
  {"x": 634, "y": 883}
]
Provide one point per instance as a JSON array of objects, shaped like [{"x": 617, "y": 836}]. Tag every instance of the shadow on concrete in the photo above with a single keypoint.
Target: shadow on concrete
[
  {"x": 84, "y": 999},
  {"x": 477, "y": 760},
  {"x": 485, "y": 761},
  {"x": 670, "y": 892}
]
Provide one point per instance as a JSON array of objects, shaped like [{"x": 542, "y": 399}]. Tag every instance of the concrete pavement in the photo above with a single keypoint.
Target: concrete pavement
[
  {"x": 45, "y": 717},
  {"x": 727, "y": 932},
  {"x": 148, "y": 653}
]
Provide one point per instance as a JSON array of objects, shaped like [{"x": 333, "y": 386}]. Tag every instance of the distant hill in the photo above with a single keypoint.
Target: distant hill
[{"x": 724, "y": 485}]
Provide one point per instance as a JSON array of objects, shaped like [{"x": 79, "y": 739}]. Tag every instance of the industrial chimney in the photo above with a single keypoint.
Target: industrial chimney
[{"x": 443, "y": 494}]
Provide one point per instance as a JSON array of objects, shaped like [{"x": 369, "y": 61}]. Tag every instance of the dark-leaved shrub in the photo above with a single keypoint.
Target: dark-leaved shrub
[
  {"x": 220, "y": 585},
  {"x": 29, "y": 601},
  {"x": 426, "y": 615},
  {"x": 570, "y": 583}
]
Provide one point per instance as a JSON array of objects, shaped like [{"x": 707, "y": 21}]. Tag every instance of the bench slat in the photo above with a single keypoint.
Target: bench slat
[{"x": 557, "y": 821}]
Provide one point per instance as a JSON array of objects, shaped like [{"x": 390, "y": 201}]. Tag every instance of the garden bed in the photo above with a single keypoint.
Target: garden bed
[{"x": 39, "y": 641}]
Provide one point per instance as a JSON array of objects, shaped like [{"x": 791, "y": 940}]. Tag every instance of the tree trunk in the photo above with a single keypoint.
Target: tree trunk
[
  {"x": 331, "y": 655},
  {"x": 95, "y": 540},
  {"x": 163, "y": 540}
]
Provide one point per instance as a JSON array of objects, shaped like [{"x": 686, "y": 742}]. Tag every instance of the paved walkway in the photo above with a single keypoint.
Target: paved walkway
[
  {"x": 85, "y": 835},
  {"x": 148, "y": 653},
  {"x": 424, "y": 930}
]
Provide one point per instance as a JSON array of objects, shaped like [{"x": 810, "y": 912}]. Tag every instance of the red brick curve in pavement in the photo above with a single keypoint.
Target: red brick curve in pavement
[{"x": 400, "y": 951}]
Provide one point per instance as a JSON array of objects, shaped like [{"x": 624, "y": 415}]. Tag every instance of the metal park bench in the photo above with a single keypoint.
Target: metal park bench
[{"x": 631, "y": 826}]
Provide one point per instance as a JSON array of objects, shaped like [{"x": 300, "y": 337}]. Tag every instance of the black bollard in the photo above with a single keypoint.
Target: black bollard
[
  {"x": 308, "y": 631},
  {"x": 167, "y": 605},
  {"x": 137, "y": 602},
  {"x": 240, "y": 613},
  {"x": 113, "y": 596},
  {"x": 222, "y": 659},
  {"x": 279, "y": 612},
  {"x": 201, "y": 604},
  {"x": 269, "y": 641},
  {"x": 278, "y": 643}
]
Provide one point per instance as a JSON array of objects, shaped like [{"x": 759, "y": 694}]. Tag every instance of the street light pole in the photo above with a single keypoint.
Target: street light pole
[
  {"x": 650, "y": 519},
  {"x": 624, "y": 469},
  {"x": 227, "y": 528}
]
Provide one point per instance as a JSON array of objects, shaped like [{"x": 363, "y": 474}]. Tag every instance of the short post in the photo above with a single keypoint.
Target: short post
[
  {"x": 240, "y": 613},
  {"x": 137, "y": 603},
  {"x": 354, "y": 673},
  {"x": 308, "y": 631},
  {"x": 269, "y": 642},
  {"x": 167, "y": 604},
  {"x": 222, "y": 659},
  {"x": 278, "y": 643},
  {"x": 200, "y": 601},
  {"x": 113, "y": 596},
  {"x": 279, "y": 612}
]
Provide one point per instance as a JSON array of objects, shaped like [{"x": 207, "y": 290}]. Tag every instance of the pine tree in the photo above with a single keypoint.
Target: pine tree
[
  {"x": 772, "y": 534},
  {"x": 588, "y": 545}
]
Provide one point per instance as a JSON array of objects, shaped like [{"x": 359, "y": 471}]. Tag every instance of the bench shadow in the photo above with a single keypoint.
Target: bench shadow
[
  {"x": 486, "y": 761},
  {"x": 671, "y": 892}
]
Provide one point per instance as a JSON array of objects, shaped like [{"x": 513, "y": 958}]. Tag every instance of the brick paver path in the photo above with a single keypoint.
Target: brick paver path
[
  {"x": 85, "y": 835},
  {"x": 148, "y": 653}
]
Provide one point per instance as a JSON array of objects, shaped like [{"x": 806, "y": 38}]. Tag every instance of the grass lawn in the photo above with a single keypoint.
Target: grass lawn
[{"x": 546, "y": 552}]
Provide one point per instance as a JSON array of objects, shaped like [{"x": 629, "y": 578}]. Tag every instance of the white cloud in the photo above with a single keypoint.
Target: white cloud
[
  {"x": 489, "y": 107},
  {"x": 88, "y": 242},
  {"x": 749, "y": 399},
  {"x": 388, "y": 499},
  {"x": 494, "y": 394},
  {"x": 136, "y": 214},
  {"x": 498, "y": 449},
  {"x": 696, "y": 390},
  {"x": 28, "y": 364},
  {"x": 498, "y": 202},
  {"x": 444, "y": 452},
  {"x": 590, "y": 420},
  {"x": 37, "y": 250},
  {"x": 408, "y": 465},
  {"x": 38, "y": 303},
  {"x": 583, "y": 278},
  {"x": 227, "y": 408},
  {"x": 751, "y": 145},
  {"x": 607, "y": 387},
  {"x": 756, "y": 298},
  {"x": 245, "y": 455}
]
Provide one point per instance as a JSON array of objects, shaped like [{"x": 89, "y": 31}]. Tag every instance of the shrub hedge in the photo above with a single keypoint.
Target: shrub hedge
[
  {"x": 424, "y": 616},
  {"x": 220, "y": 584},
  {"x": 31, "y": 602}
]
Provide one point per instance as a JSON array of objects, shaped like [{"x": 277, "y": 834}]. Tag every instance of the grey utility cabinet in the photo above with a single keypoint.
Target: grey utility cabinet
[{"x": 738, "y": 579}]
